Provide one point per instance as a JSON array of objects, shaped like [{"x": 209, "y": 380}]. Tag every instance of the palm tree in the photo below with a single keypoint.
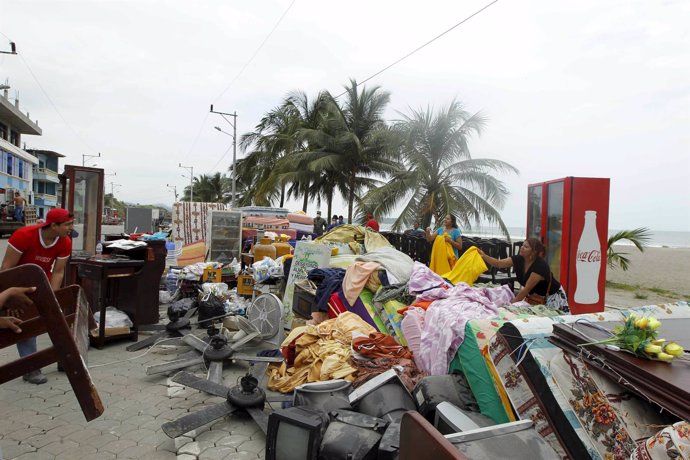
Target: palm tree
[
  {"x": 211, "y": 189},
  {"x": 352, "y": 145},
  {"x": 275, "y": 139},
  {"x": 439, "y": 175},
  {"x": 639, "y": 237}
]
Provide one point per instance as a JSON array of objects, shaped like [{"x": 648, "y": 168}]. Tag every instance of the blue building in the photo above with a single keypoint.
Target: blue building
[
  {"x": 16, "y": 165},
  {"x": 46, "y": 181}
]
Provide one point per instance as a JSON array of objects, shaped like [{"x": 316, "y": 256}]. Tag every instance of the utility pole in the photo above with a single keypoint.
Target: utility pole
[
  {"x": 84, "y": 157},
  {"x": 232, "y": 123},
  {"x": 191, "y": 181},
  {"x": 174, "y": 189}
]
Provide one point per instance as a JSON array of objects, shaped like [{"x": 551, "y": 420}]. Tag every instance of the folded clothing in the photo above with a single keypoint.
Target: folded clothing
[{"x": 328, "y": 281}]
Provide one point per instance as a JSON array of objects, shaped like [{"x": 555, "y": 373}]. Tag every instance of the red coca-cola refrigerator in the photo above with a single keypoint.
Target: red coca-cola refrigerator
[{"x": 571, "y": 217}]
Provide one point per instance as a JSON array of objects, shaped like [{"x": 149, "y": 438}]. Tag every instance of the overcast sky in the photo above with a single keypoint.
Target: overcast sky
[{"x": 586, "y": 88}]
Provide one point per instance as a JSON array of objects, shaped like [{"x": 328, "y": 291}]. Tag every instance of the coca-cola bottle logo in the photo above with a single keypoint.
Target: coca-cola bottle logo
[{"x": 589, "y": 256}]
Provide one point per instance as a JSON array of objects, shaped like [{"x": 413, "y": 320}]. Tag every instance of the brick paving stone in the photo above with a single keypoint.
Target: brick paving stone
[
  {"x": 58, "y": 447},
  {"x": 72, "y": 416},
  {"x": 13, "y": 449},
  {"x": 20, "y": 416},
  {"x": 104, "y": 424},
  {"x": 100, "y": 440},
  {"x": 47, "y": 424},
  {"x": 30, "y": 403},
  {"x": 76, "y": 454},
  {"x": 122, "y": 429},
  {"x": 137, "y": 434},
  {"x": 160, "y": 455},
  {"x": 186, "y": 457},
  {"x": 99, "y": 456},
  {"x": 23, "y": 433},
  {"x": 245, "y": 428},
  {"x": 167, "y": 445},
  {"x": 234, "y": 440},
  {"x": 117, "y": 446},
  {"x": 137, "y": 451},
  {"x": 217, "y": 453},
  {"x": 38, "y": 455},
  {"x": 191, "y": 448},
  {"x": 5, "y": 425},
  {"x": 41, "y": 439},
  {"x": 255, "y": 446},
  {"x": 83, "y": 435},
  {"x": 139, "y": 420},
  {"x": 65, "y": 430},
  {"x": 57, "y": 411},
  {"x": 211, "y": 436},
  {"x": 243, "y": 455},
  {"x": 172, "y": 414}
]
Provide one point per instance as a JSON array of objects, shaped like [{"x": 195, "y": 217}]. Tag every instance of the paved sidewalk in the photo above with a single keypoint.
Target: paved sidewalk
[{"x": 45, "y": 421}]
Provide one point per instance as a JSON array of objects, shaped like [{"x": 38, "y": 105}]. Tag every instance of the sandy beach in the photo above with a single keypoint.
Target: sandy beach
[{"x": 666, "y": 269}]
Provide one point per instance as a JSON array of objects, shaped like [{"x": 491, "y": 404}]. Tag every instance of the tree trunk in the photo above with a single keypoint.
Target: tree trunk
[
  {"x": 282, "y": 195},
  {"x": 306, "y": 201},
  {"x": 351, "y": 198}
]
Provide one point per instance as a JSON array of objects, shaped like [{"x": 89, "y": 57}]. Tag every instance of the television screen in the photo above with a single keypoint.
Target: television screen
[
  {"x": 295, "y": 434},
  {"x": 451, "y": 419}
]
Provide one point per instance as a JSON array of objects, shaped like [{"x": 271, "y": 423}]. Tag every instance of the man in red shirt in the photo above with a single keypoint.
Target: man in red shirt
[
  {"x": 49, "y": 246},
  {"x": 372, "y": 223}
]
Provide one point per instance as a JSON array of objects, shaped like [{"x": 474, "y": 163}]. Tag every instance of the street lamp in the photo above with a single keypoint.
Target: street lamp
[
  {"x": 234, "y": 146},
  {"x": 174, "y": 189},
  {"x": 84, "y": 157},
  {"x": 191, "y": 180}
]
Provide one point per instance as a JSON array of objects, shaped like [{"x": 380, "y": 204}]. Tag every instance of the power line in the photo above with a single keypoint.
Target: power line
[
  {"x": 422, "y": 46},
  {"x": 53, "y": 104},
  {"x": 203, "y": 123},
  {"x": 257, "y": 50}
]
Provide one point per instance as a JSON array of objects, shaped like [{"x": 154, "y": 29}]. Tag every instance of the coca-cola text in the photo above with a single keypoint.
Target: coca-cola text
[{"x": 589, "y": 256}]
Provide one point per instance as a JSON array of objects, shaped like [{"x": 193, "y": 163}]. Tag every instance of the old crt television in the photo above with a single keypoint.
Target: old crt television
[
  {"x": 295, "y": 434},
  {"x": 450, "y": 419}
]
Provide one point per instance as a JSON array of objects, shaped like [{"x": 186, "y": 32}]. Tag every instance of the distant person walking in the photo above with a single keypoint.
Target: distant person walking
[
  {"x": 341, "y": 220},
  {"x": 320, "y": 224},
  {"x": 19, "y": 203},
  {"x": 49, "y": 246},
  {"x": 372, "y": 223}
]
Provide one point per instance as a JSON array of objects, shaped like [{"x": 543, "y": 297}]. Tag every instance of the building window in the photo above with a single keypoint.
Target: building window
[
  {"x": 3, "y": 131},
  {"x": 20, "y": 169},
  {"x": 14, "y": 138},
  {"x": 8, "y": 167}
]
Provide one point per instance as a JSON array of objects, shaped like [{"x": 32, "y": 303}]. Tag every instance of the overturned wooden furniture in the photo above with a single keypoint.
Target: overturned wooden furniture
[{"x": 65, "y": 316}]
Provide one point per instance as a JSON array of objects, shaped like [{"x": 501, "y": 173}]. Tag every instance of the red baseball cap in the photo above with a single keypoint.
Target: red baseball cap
[{"x": 58, "y": 216}]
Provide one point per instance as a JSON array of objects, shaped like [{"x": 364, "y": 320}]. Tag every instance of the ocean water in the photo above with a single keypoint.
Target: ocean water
[{"x": 659, "y": 239}]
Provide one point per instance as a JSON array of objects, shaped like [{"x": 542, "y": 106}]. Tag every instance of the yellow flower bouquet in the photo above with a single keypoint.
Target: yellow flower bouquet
[{"x": 638, "y": 335}]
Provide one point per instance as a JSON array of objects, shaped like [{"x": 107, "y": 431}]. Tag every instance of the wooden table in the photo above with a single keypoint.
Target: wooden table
[{"x": 100, "y": 279}]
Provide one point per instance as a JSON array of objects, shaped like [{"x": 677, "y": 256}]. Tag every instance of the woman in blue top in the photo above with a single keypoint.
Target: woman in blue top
[{"x": 453, "y": 234}]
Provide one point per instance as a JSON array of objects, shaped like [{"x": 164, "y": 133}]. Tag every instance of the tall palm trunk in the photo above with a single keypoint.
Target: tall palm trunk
[
  {"x": 282, "y": 195},
  {"x": 351, "y": 197}
]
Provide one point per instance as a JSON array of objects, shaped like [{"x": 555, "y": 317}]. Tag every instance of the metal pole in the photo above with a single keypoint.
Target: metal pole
[
  {"x": 191, "y": 181},
  {"x": 234, "y": 157}
]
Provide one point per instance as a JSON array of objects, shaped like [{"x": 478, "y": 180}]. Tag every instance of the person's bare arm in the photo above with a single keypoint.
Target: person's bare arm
[
  {"x": 430, "y": 236},
  {"x": 498, "y": 263},
  {"x": 532, "y": 281},
  {"x": 58, "y": 273},
  {"x": 11, "y": 258},
  {"x": 456, "y": 244}
]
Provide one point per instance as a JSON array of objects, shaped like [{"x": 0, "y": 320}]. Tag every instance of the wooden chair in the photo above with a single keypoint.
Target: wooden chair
[{"x": 65, "y": 316}]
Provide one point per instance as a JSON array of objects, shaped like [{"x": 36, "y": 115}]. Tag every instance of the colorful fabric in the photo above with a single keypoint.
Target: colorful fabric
[
  {"x": 350, "y": 233},
  {"x": 192, "y": 253},
  {"x": 190, "y": 220},
  {"x": 468, "y": 268},
  {"x": 442, "y": 256},
  {"x": 28, "y": 241},
  {"x": 673, "y": 442},
  {"x": 412, "y": 326},
  {"x": 388, "y": 312},
  {"x": 356, "y": 277},
  {"x": 378, "y": 345},
  {"x": 422, "y": 279},
  {"x": 454, "y": 234},
  {"x": 366, "y": 297},
  {"x": 398, "y": 265}
]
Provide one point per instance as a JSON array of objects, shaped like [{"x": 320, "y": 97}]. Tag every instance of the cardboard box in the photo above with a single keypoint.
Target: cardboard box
[{"x": 111, "y": 331}]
